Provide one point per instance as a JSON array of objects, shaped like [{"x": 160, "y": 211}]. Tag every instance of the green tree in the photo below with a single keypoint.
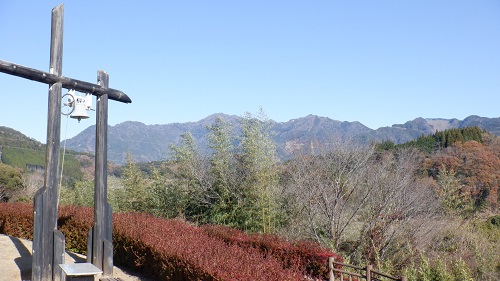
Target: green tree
[
  {"x": 160, "y": 199},
  {"x": 136, "y": 193},
  {"x": 225, "y": 191},
  {"x": 188, "y": 190},
  {"x": 260, "y": 173},
  {"x": 385, "y": 145},
  {"x": 81, "y": 193},
  {"x": 10, "y": 181},
  {"x": 451, "y": 193},
  {"x": 116, "y": 193}
]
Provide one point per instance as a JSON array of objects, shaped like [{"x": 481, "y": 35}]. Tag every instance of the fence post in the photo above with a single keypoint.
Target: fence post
[
  {"x": 330, "y": 269},
  {"x": 369, "y": 269},
  {"x": 403, "y": 278}
]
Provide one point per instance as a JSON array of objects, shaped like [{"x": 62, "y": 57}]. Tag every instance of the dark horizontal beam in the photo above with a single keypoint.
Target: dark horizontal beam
[{"x": 67, "y": 83}]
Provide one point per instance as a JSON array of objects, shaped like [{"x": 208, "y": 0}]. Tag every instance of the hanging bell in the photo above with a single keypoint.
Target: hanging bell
[
  {"x": 88, "y": 101},
  {"x": 80, "y": 111}
]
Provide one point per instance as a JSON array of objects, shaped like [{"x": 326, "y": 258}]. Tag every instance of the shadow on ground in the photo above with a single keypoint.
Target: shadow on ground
[{"x": 25, "y": 260}]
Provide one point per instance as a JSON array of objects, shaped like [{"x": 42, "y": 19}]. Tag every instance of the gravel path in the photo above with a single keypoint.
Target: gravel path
[{"x": 15, "y": 261}]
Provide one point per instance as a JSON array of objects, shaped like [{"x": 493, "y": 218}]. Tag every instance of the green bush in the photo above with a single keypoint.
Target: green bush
[
  {"x": 439, "y": 269},
  {"x": 10, "y": 181}
]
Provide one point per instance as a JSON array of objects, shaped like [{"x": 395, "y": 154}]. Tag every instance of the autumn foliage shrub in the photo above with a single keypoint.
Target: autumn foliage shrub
[
  {"x": 184, "y": 252},
  {"x": 309, "y": 256},
  {"x": 75, "y": 223},
  {"x": 177, "y": 250},
  {"x": 17, "y": 220}
]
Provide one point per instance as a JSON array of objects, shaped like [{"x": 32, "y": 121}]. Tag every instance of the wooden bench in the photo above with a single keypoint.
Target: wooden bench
[{"x": 80, "y": 271}]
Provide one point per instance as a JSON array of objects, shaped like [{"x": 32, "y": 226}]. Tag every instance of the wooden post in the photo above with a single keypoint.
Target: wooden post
[
  {"x": 59, "y": 251},
  {"x": 37, "y": 249},
  {"x": 331, "y": 276},
  {"x": 48, "y": 239},
  {"x": 101, "y": 240},
  {"x": 369, "y": 269},
  {"x": 106, "y": 218},
  {"x": 403, "y": 278}
]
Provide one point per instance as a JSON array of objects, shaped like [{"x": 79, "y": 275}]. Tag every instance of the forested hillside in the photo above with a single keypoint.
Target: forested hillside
[
  {"x": 427, "y": 209},
  {"x": 22, "y": 161}
]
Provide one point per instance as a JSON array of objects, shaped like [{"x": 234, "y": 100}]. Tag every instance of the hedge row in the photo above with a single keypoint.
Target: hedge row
[
  {"x": 74, "y": 222},
  {"x": 176, "y": 250},
  {"x": 17, "y": 220},
  {"x": 310, "y": 256},
  {"x": 184, "y": 252}
]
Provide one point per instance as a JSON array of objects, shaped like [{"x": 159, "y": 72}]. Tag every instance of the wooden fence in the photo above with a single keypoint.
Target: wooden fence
[{"x": 338, "y": 272}]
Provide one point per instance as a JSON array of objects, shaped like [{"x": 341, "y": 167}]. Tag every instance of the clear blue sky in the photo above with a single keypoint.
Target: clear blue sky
[{"x": 377, "y": 62}]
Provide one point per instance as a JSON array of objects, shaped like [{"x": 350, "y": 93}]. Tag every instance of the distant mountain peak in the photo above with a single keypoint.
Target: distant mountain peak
[
  {"x": 151, "y": 142},
  {"x": 440, "y": 124}
]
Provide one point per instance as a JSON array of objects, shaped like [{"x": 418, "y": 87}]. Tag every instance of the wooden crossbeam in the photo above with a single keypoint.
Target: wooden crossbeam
[{"x": 67, "y": 83}]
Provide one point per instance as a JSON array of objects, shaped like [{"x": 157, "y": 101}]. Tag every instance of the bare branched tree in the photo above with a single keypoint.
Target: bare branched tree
[
  {"x": 398, "y": 202},
  {"x": 32, "y": 181},
  {"x": 356, "y": 196},
  {"x": 326, "y": 187}
]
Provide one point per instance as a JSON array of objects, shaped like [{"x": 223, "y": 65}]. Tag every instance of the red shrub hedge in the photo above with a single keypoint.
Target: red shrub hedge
[
  {"x": 176, "y": 250},
  {"x": 185, "y": 252},
  {"x": 17, "y": 220},
  {"x": 310, "y": 256},
  {"x": 75, "y": 223}
]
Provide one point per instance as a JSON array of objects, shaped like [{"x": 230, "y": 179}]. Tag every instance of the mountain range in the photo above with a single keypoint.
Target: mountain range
[{"x": 148, "y": 143}]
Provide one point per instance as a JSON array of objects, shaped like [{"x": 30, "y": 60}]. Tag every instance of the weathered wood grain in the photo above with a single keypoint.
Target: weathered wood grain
[{"x": 67, "y": 83}]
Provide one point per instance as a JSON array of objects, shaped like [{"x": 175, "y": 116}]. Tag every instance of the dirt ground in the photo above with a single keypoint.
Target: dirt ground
[{"x": 15, "y": 261}]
